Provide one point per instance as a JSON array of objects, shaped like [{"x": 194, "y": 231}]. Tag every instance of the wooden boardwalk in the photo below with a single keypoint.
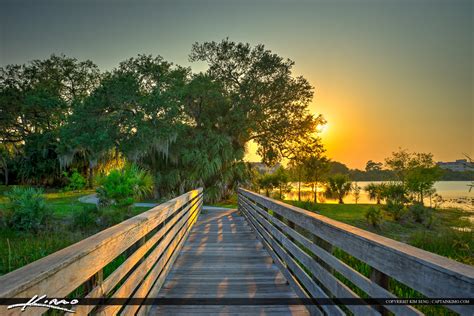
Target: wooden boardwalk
[
  {"x": 264, "y": 250},
  {"x": 222, "y": 258}
]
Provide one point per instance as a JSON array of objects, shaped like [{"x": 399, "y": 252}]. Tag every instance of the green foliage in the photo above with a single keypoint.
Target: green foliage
[
  {"x": 457, "y": 245},
  {"x": 375, "y": 191},
  {"x": 421, "y": 214},
  {"x": 112, "y": 215},
  {"x": 420, "y": 180},
  {"x": 71, "y": 222},
  {"x": 336, "y": 168},
  {"x": 374, "y": 216},
  {"x": 188, "y": 129},
  {"x": 417, "y": 171},
  {"x": 253, "y": 181},
  {"x": 75, "y": 181},
  {"x": 395, "y": 192},
  {"x": 281, "y": 179},
  {"x": 395, "y": 195},
  {"x": 19, "y": 248},
  {"x": 267, "y": 104},
  {"x": 372, "y": 175},
  {"x": 6, "y": 159},
  {"x": 26, "y": 209},
  {"x": 356, "y": 192},
  {"x": 450, "y": 175},
  {"x": 38, "y": 162},
  {"x": 303, "y": 157},
  {"x": 373, "y": 166},
  {"x": 276, "y": 180},
  {"x": 315, "y": 168},
  {"x": 123, "y": 187},
  {"x": 267, "y": 182},
  {"x": 85, "y": 218},
  {"x": 338, "y": 187},
  {"x": 395, "y": 208},
  {"x": 40, "y": 95}
]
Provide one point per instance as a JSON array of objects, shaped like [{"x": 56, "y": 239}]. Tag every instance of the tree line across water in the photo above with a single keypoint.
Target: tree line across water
[{"x": 413, "y": 176}]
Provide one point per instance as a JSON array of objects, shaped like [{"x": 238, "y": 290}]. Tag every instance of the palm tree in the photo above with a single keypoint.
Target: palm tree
[
  {"x": 338, "y": 187},
  {"x": 375, "y": 191}
]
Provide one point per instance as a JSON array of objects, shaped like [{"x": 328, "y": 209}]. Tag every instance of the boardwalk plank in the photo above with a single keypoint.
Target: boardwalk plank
[{"x": 223, "y": 259}]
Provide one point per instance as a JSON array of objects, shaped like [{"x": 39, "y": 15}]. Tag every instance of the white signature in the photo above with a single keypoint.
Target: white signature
[{"x": 42, "y": 301}]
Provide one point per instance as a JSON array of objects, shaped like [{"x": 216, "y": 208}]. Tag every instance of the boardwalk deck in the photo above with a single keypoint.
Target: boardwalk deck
[{"x": 223, "y": 259}]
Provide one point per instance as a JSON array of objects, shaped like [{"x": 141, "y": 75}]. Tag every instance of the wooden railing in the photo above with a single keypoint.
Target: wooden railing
[
  {"x": 145, "y": 245},
  {"x": 303, "y": 244}
]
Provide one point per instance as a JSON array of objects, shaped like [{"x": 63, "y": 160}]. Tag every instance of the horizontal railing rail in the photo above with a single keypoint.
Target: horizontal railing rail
[
  {"x": 145, "y": 246},
  {"x": 303, "y": 244}
]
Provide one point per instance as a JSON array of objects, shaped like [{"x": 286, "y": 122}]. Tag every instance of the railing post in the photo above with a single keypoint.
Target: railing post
[
  {"x": 326, "y": 246},
  {"x": 94, "y": 281},
  {"x": 383, "y": 280}
]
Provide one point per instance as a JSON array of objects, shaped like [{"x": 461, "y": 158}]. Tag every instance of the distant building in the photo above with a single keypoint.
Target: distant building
[
  {"x": 458, "y": 165},
  {"x": 263, "y": 168}
]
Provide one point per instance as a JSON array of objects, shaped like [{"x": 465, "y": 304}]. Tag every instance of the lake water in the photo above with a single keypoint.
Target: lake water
[{"x": 455, "y": 194}]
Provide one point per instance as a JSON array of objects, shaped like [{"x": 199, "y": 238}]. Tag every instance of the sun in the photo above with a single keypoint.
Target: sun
[{"x": 322, "y": 128}]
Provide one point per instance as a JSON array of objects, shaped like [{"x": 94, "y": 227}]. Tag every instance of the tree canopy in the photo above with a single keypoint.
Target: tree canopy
[{"x": 188, "y": 129}]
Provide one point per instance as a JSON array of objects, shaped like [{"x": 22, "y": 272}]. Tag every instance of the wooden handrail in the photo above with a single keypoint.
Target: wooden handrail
[
  {"x": 297, "y": 250},
  {"x": 150, "y": 242}
]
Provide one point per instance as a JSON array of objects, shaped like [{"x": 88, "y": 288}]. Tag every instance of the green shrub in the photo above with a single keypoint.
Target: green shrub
[
  {"x": 375, "y": 191},
  {"x": 421, "y": 214},
  {"x": 109, "y": 216},
  {"x": 374, "y": 216},
  {"x": 395, "y": 192},
  {"x": 75, "y": 181},
  {"x": 123, "y": 187},
  {"x": 212, "y": 194},
  {"x": 451, "y": 243},
  {"x": 26, "y": 209},
  {"x": 85, "y": 218},
  {"x": 396, "y": 209}
]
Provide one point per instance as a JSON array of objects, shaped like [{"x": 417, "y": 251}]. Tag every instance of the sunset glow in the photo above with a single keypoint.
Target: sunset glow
[{"x": 384, "y": 78}]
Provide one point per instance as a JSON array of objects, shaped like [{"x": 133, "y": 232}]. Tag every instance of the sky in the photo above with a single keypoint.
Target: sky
[{"x": 387, "y": 74}]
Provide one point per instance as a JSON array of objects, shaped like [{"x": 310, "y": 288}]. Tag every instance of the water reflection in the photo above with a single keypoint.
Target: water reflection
[{"x": 455, "y": 194}]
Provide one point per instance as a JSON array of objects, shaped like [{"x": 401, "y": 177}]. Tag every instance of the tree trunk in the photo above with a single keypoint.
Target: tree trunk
[
  {"x": 280, "y": 192},
  {"x": 5, "y": 169},
  {"x": 299, "y": 190},
  {"x": 267, "y": 193},
  {"x": 156, "y": 192},
  {"x": 90, "y": 177},
  {"x": 315, "y": 193},
  {"x": 340, "y": 200}
]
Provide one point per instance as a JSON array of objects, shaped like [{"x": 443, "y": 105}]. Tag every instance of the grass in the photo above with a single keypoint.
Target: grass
[
  {"x": 18, "y": 248},
  {"x": 21, "y": 248},
  {"x": 441, "y": 239},
  {"x": 230, "y": 202},
  {"x": 224, "y": 204},
  {"x": 64, "y": 204}
]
